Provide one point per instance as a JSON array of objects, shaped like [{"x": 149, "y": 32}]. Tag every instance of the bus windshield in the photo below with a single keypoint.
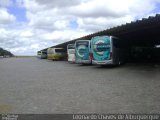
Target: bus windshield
[
  {"x": 101, "y": 48},
  {"x": 59, "y": 50},
  {"x": 71, "y": 49},
  {"x": 82, "y": 43},
  {"x": 82, "y": 47},
  {"x": 70, "y": 46},
  {"x": 44, "y": 52},
  {"x": 39, "y": 52},
  {"x": 101, "y": 44},
  {"x": 82, "y": 50}
]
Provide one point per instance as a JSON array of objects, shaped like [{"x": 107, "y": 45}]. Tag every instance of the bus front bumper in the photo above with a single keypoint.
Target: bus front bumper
[
  {"x": 71, "y": 60},
  {"x": 106, "y": 62},
  {"x": 83, "y": 61}
]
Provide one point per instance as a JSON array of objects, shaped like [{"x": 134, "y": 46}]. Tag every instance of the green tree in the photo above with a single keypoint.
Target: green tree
[{"x": 5, "y": 52}]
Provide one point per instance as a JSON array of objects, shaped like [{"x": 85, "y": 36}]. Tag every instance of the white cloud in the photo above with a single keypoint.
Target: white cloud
[
  {"x": 58, "y": 3},
  {"x": 5, "y": 17},
  {"x": 91, "y": 15},
  {"x": 95, "y": 8},
  {"x": 27, "y": 33},
  {"x": 61, "y": 36},
  {"x": 50, "y": 22},
  {"x": 35, "y": 46}
]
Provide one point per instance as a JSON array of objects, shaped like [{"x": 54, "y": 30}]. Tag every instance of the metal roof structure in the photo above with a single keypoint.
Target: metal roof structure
[{"x": 141, "y": 32}]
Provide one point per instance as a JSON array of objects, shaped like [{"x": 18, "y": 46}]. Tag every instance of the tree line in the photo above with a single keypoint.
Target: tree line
[{"x": 4, "y": 53}]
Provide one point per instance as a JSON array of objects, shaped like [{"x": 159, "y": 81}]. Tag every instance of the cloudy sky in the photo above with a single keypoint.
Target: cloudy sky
[{"x": 27, "y": 26}]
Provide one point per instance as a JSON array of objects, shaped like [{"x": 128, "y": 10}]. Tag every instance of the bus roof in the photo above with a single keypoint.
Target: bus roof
[
  {"x": 55, "y": 48},
  {"x": 82, "y": 40}
]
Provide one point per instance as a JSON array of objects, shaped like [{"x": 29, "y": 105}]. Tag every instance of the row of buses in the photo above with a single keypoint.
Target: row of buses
[{"x": 102, "y": 50}]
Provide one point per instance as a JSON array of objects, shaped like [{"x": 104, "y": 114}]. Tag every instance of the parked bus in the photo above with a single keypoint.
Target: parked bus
[
  {"x": 56, "y": 54},
  {"x": 83, "y": 50},
  {"x": 42, "y": 54},
  {"x": 71, "y": 52},
  {"x": 108, "y": 50},
  {"x": 39, "y": 54}
]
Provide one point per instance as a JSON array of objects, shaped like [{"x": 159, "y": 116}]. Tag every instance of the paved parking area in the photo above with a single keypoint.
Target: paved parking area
[{"x": 32, "y": 85}]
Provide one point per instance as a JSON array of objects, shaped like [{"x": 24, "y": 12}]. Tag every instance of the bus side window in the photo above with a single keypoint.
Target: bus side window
[
  {"x": 76, "y": 45},
  {"x": 118, "y": 43}
]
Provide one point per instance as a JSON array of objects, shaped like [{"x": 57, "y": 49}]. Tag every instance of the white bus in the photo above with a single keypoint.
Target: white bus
[
  {"x": 39, "y": 54},
  {"x": 71, "y": 53},
  {"x": 42, "y": 54}
]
